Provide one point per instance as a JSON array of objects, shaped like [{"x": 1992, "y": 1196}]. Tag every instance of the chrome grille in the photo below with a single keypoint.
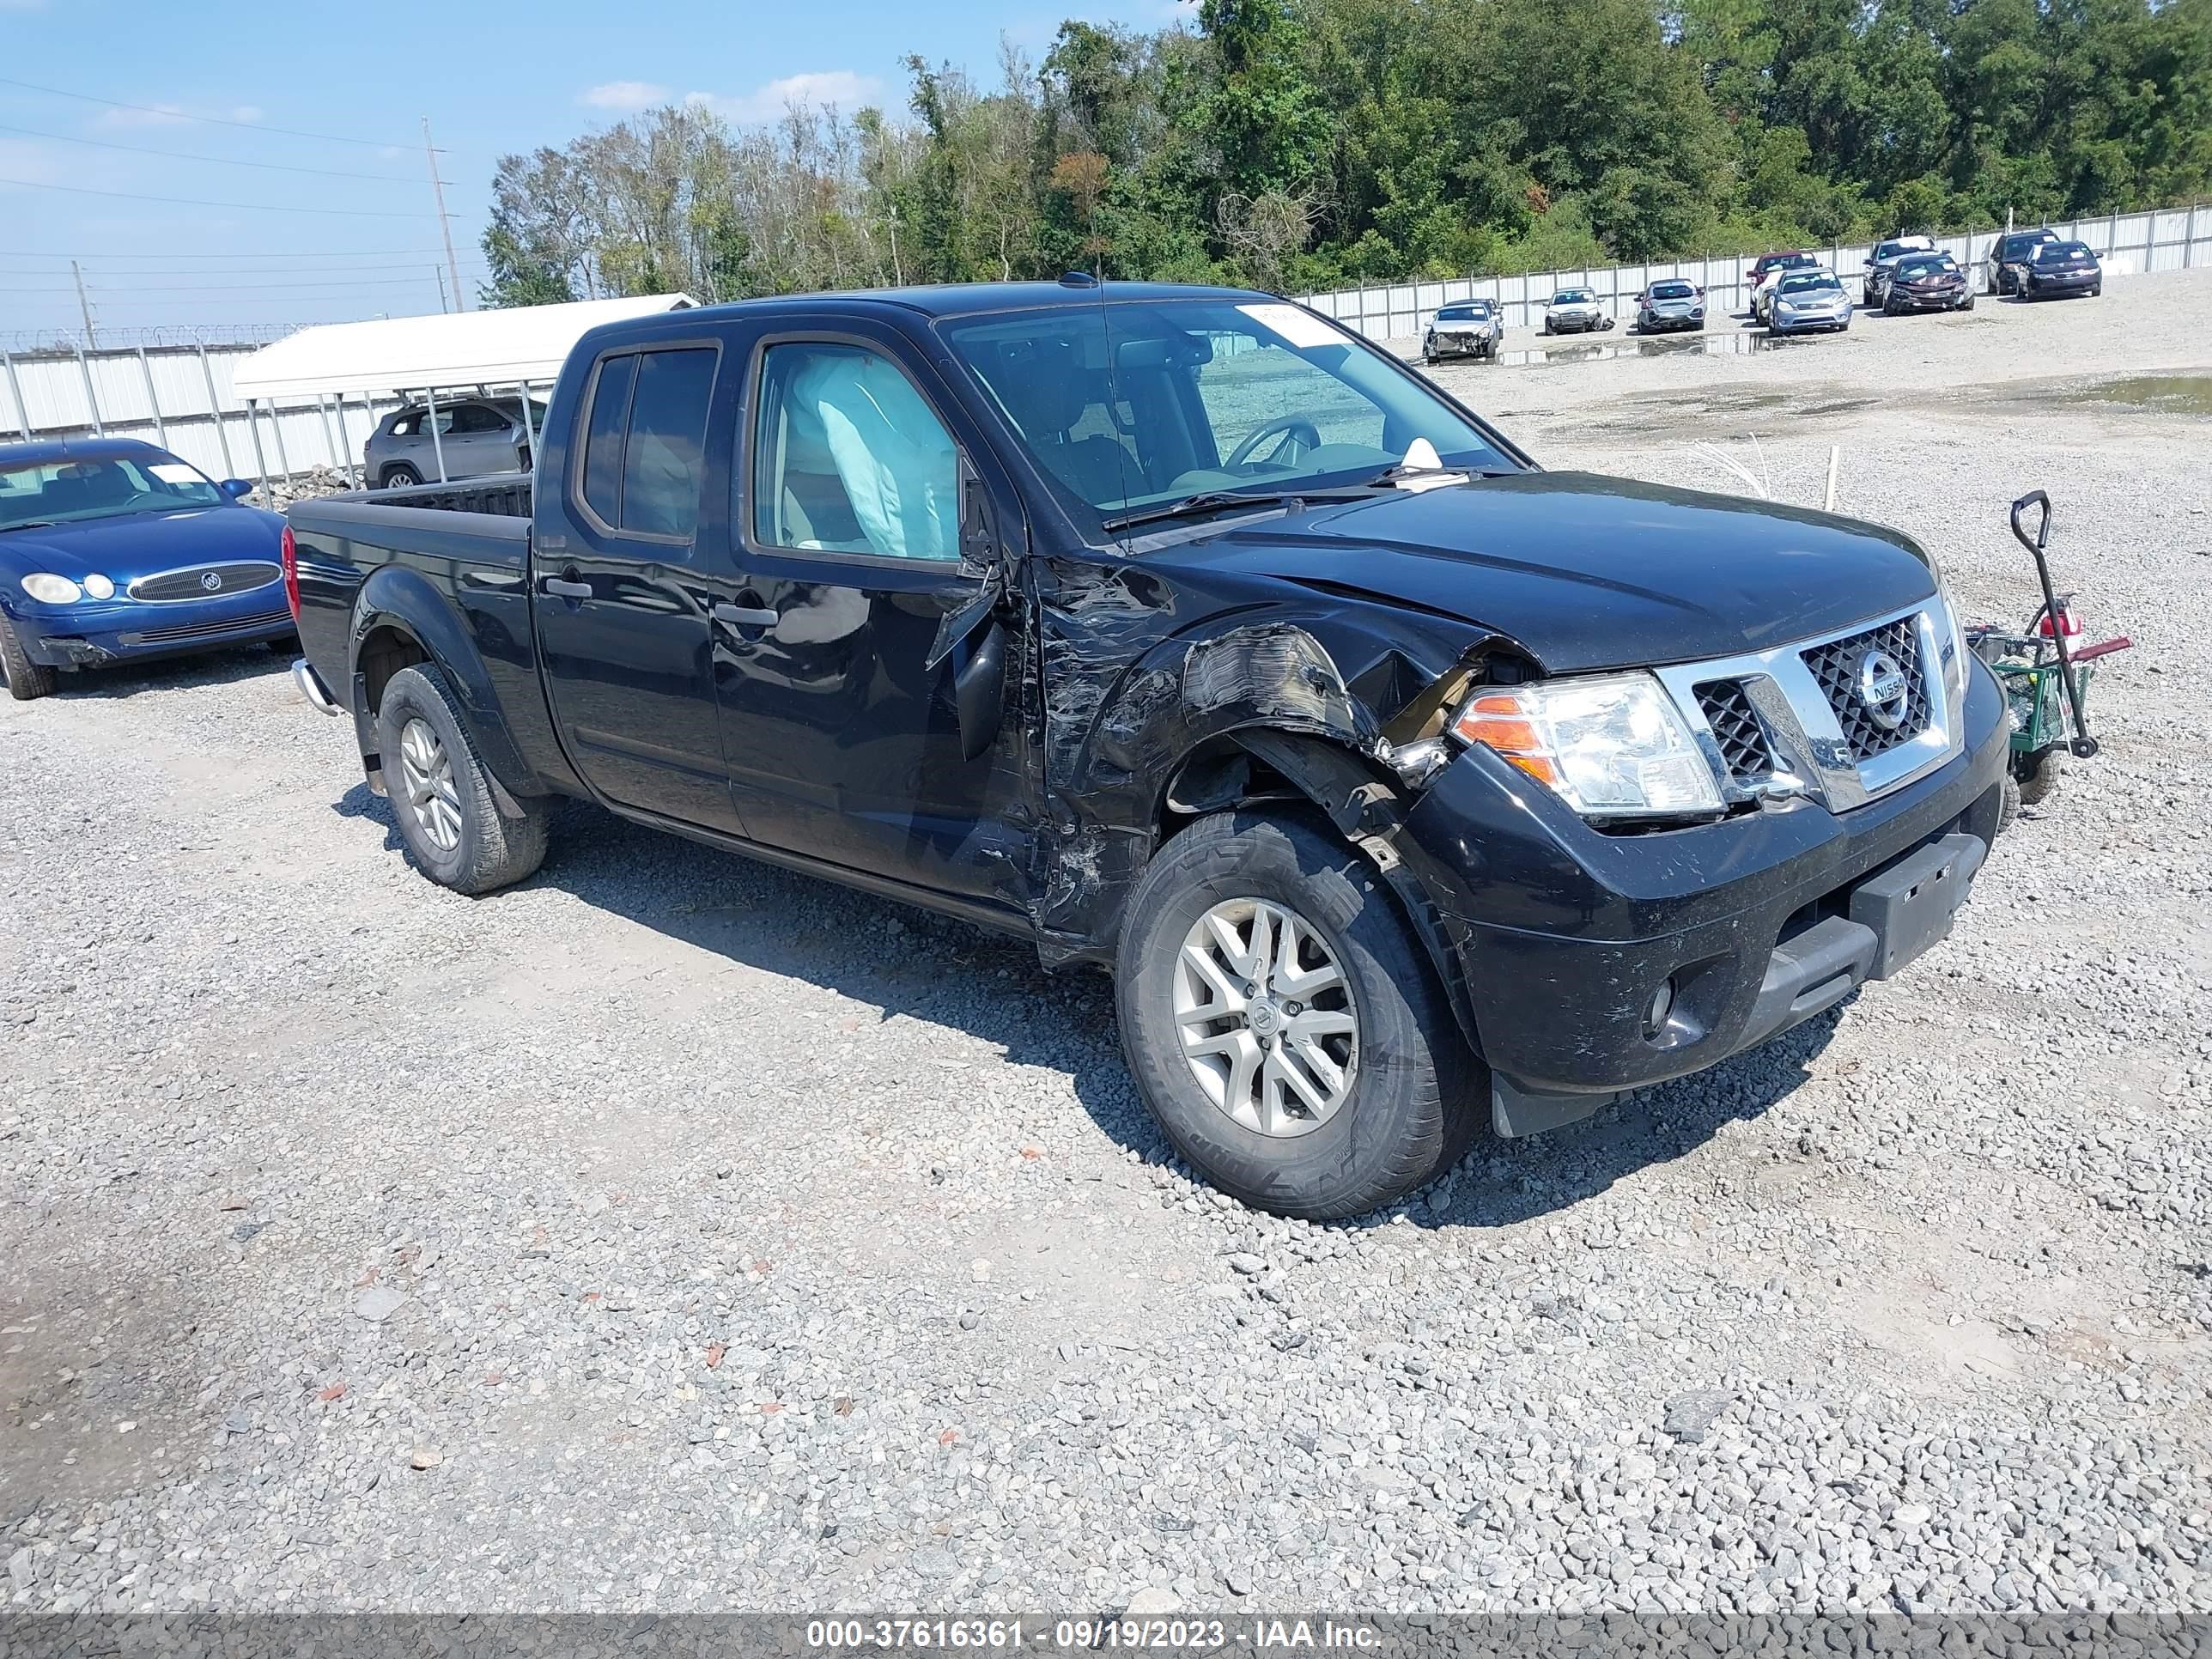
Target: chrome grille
[
  {"x": 1743, "y": 744},
  {"x": 174, "y": 585},
  {"x": 181, "y": 633},
  {"x": 1835, "y": 668}
]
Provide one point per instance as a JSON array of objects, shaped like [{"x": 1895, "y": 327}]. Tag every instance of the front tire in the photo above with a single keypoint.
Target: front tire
[
  {"x": 1365, "y": 1093},
  {"x": 400, "y": 477},
  {"x": 27, "y": 681},
  {"x": 441, "y": 794}
]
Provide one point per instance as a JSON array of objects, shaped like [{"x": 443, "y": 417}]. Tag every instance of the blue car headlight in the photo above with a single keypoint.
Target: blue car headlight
[{"x": 49, "y": 589}]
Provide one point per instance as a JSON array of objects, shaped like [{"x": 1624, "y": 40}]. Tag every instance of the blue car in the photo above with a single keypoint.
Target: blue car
[{"x": 113, "y": 550}]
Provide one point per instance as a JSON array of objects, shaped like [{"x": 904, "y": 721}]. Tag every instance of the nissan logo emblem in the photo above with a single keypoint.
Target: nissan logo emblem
[
  {"x": 1884, "y": 689},
  {"x": 211, "y": 581}
]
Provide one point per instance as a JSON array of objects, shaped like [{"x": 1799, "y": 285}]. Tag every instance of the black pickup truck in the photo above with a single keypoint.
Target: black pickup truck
[{"x": 1402, "y": 784}]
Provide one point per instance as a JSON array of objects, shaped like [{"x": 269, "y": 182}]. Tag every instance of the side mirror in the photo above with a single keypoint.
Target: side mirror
[{"x": 236, "y": 489}]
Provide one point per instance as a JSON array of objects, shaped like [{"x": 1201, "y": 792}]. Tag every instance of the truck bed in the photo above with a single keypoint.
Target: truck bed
[{"x": 454, "y": 559}]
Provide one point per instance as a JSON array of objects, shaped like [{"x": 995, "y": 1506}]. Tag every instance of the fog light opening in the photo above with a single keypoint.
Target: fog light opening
[{"x": 1657, "y": 1012}]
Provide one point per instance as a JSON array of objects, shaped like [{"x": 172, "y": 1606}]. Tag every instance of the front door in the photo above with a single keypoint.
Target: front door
[
  {"x": 842, "y": 743},
  {"x": 621, "y": 587}
]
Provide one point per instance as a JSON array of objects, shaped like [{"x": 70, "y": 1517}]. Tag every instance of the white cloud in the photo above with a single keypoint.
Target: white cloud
[
  {"x": 842, "y": 88},
  {"x": 623, "y": 97}
]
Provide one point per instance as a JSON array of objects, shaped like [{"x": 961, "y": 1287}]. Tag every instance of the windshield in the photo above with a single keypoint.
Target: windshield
[
  {"x": 104, "y": 487},
  {"x": 2060, "y": 253},
  {"x": 1926, "y": 265},
  {"x": 1673, "y": 291},
  {"x": 1197, "y": 396},
  {"x": 1573, "y": 296},
  {"x": 1477, "y": 313},
  {"x": 1809, "y": 282}
]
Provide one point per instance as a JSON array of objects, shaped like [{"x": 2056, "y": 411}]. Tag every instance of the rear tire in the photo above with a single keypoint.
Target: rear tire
[
  {"x": 27, "y": 681},
  {"x": 1414, "y": 1085},
  {"x": 448, "y": 812}
]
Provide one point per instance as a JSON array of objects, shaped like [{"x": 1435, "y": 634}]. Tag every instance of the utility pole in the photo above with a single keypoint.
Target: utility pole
[
  {"x": 443, "y": 306},
  {"x": 91, "y": 340},
  {"x": 445, "y": 225}
]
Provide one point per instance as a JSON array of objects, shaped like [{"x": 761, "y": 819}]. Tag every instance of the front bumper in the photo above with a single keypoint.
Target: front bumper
[
  {"x": 89, "y": 635},
  {"x": 1575, "y": 325},
  {"x": 1782, "y": 322},
  {"x": 2044, "y": 286},
  {"x": 1461, "y": 345},
  {"x": 1905, "y": 298},
  {"x": 1561, "y": 935}
]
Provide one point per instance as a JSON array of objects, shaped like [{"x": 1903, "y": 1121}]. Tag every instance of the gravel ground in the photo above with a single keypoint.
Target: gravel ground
[{"x": 672, "y": 1233}]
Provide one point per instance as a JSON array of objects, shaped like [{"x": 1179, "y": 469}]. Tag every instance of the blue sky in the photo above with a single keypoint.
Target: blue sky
[{"x": 491, "y": 79}]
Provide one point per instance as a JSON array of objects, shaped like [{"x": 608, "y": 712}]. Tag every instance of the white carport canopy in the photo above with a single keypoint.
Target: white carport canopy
[
  {"x": 515, "y": 346},
  {"x": 518, "y": 347}
]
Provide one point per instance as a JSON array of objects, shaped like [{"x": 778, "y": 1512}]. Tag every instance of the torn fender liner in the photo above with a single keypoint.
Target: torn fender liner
[{"x": 1367, "y": 812}]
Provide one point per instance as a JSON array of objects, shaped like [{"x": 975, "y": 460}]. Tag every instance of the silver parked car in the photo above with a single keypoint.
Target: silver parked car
[
  {"x": 476, "y": 435},
  {"x": 1465, "y": 328},
  {"x": 1806, "y": 301},
  {"x": 1671, "y": 303},
  {"x": 1575, "y": 311}
]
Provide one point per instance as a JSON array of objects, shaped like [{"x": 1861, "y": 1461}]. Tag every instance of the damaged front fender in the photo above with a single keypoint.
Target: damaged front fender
[{"x": 1129, "y": 695}]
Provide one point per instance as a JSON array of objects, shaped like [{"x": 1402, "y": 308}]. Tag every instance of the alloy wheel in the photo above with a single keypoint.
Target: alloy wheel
[
  {"x": 1266, "y": 1014},
  {"x": 427, "y": 771}
]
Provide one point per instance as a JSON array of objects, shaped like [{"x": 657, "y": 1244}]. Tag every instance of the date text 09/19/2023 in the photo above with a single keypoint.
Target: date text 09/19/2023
[{"x": 1088, "y": 1635}]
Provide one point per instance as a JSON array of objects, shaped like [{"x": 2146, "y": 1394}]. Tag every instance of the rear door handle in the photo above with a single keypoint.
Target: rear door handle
[
  {"x": 565, "y": 588},
  {"x": 746, "y": 615}
]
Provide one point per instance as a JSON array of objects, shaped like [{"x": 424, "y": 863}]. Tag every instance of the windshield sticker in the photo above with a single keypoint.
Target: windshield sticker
[
  {"x": 1301, "y": 328},
  {"x": 175, "y": 472}
]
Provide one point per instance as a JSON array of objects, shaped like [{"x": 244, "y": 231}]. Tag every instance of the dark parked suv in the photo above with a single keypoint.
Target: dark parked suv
[{"x": 1406, "y": 788}]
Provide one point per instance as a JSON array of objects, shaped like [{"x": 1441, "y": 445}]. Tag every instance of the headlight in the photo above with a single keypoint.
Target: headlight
[
  {"x": 1612, "y": 745},
  {"x": 49, "y": 589},
  {"x": 100, "y": 587},
  {"x": 1951, "y": 635}
]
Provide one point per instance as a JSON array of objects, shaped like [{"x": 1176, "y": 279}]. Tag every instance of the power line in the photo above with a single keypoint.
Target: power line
[
  {"x": 246, "y": 207},
  {"x": 102, "y": 293},
  {"x": 187, "y": 270},
  {"x": 333, "y": 253},
  {"x": 210, "y": 120},
  {"x": 217, "y": 160}
]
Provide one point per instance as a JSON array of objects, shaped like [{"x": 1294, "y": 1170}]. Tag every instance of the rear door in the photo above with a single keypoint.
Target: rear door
[
  {"x": 478, "y": 443},
  {"x": 621, "y": 576},
  {"x": 843, "y": 742}
]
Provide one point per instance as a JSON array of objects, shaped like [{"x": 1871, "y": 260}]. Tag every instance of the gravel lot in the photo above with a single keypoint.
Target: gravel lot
[{"x": 674, "y": 1233}]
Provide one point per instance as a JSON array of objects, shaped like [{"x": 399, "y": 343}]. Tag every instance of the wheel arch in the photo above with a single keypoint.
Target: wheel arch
[
  {"x": 401, "y": 622},
  {"x": 1264, "y": 766}
]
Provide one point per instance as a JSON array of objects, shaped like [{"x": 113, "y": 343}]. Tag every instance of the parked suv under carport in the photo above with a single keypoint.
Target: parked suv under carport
[{"x": 475, "y": 436}]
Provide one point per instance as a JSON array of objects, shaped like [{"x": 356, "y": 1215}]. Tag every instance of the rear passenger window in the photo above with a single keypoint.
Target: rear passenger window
[
  {"x": 603, "y": 439},
  {"x": 645, "y": 442}
]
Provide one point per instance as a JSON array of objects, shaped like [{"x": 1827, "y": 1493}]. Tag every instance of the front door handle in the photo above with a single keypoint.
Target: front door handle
[
  {"x": 564, "y": 588},
  {"x": 746, "y": 615}
]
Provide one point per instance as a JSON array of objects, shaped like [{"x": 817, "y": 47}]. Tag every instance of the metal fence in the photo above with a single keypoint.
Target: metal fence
[
  {"x": 180, "y": 397},
  {"x": 2167, "y": 239}
]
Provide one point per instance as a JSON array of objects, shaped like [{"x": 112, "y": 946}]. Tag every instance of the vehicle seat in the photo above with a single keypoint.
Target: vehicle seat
[
  {"x": 69, "y": 492},
  {"x": 1048, "y": 389}
]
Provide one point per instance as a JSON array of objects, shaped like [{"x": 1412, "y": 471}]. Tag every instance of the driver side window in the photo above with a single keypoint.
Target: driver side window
[
  {"x": 1250, "y": 386},
  {"x": 848, "y": 458}
]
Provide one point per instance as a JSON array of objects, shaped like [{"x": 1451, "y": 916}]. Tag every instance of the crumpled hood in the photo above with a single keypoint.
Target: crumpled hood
[
  {"x": 1588, "y": 572},
  {"x": 136, "y": 544}
]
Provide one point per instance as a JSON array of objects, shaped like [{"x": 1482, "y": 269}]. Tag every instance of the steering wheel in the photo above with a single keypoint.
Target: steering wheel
[{"x": 1289, "y": 429}]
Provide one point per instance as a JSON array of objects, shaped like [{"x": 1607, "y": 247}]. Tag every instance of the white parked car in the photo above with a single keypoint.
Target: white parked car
[{"x": 1576, "y": 311}]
